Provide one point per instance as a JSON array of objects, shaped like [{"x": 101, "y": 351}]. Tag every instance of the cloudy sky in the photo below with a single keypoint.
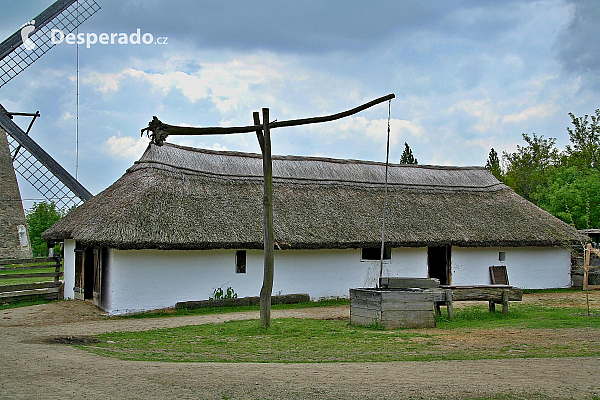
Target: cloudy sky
[{"x": 467, "y": 75}]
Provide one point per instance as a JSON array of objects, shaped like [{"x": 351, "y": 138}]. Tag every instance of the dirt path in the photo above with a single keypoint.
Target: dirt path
[{"x": 30, "y": 369}]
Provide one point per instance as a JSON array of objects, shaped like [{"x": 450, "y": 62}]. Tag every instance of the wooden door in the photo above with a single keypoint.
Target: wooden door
[
  {"x": 78, "y": 287},
  {"x": 97, "y": 276}
]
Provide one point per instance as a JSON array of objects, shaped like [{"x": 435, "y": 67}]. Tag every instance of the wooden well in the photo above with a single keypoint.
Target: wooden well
[{"x": 408, "y": 308}]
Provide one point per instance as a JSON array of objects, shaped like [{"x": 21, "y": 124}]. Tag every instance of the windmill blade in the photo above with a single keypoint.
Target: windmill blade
[
  {"x": 41, "y": 170},
  {"x": 65, "y": 15}
]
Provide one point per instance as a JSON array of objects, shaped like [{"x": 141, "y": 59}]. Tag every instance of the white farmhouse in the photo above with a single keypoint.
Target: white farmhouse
[{"x": 184, "y": 221}]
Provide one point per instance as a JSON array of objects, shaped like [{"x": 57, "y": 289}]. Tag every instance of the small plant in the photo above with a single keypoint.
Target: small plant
[
  {"x": 231, "y": 294},
  {"x": 218, "y": 294}
]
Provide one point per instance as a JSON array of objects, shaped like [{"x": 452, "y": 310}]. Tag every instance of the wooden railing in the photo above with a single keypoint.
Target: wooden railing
[
  {"x": 589, "y": 250},
  {"x": 30, "y": 268}
]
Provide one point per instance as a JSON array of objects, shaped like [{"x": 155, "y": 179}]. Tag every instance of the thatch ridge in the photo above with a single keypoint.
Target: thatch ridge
[{"x": 177, "y": 197}]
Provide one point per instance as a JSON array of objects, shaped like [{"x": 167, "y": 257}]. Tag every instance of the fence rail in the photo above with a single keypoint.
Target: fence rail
[{"x": 25, "y": 269}]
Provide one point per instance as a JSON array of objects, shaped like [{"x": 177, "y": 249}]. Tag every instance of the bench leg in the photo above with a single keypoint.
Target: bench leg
[
  {"x": 449, "y": 305},
  {"x": 437, "y": 310},
  {"x": 492, "y": 306},
  {"x": 505, "y": 302}
]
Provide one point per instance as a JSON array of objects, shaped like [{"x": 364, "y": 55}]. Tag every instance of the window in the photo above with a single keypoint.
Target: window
[
  {"x": 501, "y": 256},
  {"x": 374, "y": 253},
  {"x": 240, "y": 261}
]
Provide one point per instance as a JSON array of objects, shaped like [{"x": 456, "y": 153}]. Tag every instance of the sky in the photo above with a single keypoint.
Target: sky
[{"x": 467, "y": 76}]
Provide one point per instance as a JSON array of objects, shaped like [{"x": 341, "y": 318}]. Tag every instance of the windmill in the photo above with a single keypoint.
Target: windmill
[{"x": 18, "y": 151}]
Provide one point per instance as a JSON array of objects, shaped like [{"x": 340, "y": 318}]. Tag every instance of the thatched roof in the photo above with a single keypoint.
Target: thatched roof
[{"x": 178, "y": 197}]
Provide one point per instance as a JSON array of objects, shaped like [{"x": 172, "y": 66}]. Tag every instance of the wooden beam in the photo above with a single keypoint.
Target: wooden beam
[
  {"x": 160, "y": 130},
  {"x": 269, "y": 240}
]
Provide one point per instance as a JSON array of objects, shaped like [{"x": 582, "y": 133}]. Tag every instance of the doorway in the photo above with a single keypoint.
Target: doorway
[
  {"x": 88, "y": 274},
  {"x": 438, "y": 262}
]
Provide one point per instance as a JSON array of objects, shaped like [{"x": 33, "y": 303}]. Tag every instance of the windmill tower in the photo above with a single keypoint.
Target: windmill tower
[{"x": 18, "y": 151}]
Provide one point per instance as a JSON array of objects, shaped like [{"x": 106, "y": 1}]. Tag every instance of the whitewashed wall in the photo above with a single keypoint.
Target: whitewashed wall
[
  {"x": 527, "y": 267},
  {"x": 137, "y": 280},
  {"x": 69, "y": 268}
]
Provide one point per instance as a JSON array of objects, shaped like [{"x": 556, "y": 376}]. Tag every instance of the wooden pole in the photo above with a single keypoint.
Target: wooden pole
[
  {"x": 267, "y": 287},
  {"x": 587, "y": 253},
  {"x": 158, "y": 131}
]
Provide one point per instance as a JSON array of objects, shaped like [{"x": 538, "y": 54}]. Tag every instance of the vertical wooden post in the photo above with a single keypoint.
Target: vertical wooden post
[
  {"x": 449, "y": 304},
  {"x": 505, "y": 302},
  {"x": 492, "y": 306},
  {"x": 587, "y": 253},
  {"x": 267, "y": 288}
]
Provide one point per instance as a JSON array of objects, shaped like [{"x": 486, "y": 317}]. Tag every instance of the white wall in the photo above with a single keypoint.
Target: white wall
[
  {"x": 69, "y": 268},
  {"x": 527, "y": 267},
  {"x": 149, "y": 279}
]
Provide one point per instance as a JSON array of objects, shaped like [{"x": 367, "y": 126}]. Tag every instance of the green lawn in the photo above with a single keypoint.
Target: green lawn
[{"x": 529, "y": 331}]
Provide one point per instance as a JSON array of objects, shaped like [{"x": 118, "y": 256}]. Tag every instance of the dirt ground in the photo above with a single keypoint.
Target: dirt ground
[{"x": 31, "y": 368}]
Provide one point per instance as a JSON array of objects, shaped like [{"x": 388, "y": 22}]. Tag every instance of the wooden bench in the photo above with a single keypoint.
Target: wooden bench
[{"x": 445, "y": 295}]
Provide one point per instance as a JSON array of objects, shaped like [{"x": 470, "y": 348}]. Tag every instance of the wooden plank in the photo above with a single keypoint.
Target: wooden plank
[
  {"x": 362, "y": 320},
  {"x": 28, "y": 286},
  {"x": 399, "y": 295},
  {"x": 31, "y": 292},
  {"x": 393, "y": 306},
  {"x": 363, "y": 312},
  {"x": 29, "y": 267},
  {"x": 413, "y": 319},
  {"x": 365, "y": 294},
  {"x": 32, "y": 275},
  {"x": 405, "y": 283},
  {"x": 487, "y": 293},
  {"x": 15, "y": 261},
  {"x": 499, "y": 275}
]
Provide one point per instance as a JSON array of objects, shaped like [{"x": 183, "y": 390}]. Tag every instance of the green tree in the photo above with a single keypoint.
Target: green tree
[
  {"x": 526, "y": 169},
  {"x": 40, "y": 217},
  {"x": 585, "y": 136},
  {"x": 573, "y": 195},
  {"x": 493, "y": 164},
  {"x": 407, "y": 156}
]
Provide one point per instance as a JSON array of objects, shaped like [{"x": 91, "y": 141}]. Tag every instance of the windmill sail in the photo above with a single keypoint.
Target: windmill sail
[
  {"x": 38, "y": 168},
  {"x": 65, "y": 15}
]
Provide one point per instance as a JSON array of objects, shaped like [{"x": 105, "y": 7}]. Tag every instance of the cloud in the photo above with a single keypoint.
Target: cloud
[
  {"x": 539, "y": 112},
  {"x": 400, "y": 129},
  {"x": 484, "y": 111},
  {"x": 125, "y": 147},
  {"x": 227, "y": 84}
]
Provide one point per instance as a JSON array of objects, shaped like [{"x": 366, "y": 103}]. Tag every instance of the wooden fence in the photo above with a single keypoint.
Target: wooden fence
[
  {"x": 589, "y": 250},
  {"x": 30, "y": 268}
]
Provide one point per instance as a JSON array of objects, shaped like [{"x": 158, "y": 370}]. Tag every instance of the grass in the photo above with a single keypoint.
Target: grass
[
  {"x": 173, "y": 312},
  {"x": 25, "y": 303},
  {"x": 473, "y": 334}
]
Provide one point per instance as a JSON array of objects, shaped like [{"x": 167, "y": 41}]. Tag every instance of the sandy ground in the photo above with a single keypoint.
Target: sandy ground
[{"x": 32, "y": 369}]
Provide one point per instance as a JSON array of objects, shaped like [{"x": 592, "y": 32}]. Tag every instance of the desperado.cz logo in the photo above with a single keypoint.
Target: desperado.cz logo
[
  {"x": 58, "y": 36},
  {"x": 26, "y": 30}
]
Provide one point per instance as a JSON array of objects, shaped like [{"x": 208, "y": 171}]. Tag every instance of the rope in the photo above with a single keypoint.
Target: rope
[
  {"x": 387, "y": 162},
  {"x": 77, "y": 98}
]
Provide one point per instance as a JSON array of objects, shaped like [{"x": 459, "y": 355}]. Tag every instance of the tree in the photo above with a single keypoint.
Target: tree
[
  {"x": 407, "y": 156},
  {"x": 572, "y": 194},
  {"x": 493, "y": 164},
  {"x": 40, "y": 217},
  {"x": 527, "y": 168},
  {"x": 585, "y": 137}
]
